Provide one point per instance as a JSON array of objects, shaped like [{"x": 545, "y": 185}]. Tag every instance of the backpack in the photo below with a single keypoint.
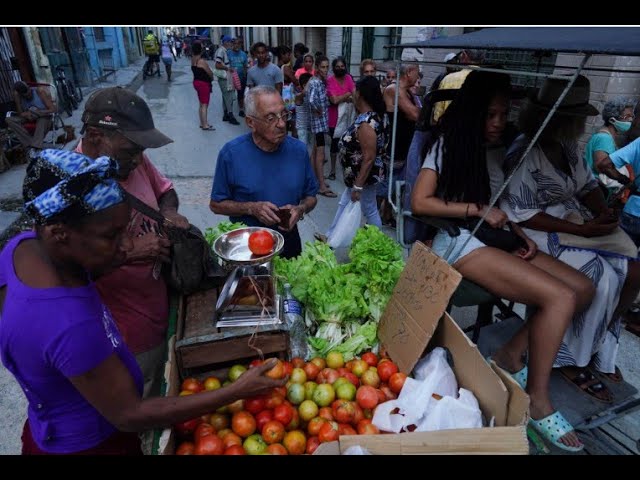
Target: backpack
[{"x": 150, "y": 45}]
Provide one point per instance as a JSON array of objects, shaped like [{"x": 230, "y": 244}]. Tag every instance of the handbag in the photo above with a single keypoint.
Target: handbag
[
  {"x": 191, "y": 258},
  {"x": 220, "y": 74},
  {"x": 237, "y": 84},
  {"x": 506, "y": 240}
]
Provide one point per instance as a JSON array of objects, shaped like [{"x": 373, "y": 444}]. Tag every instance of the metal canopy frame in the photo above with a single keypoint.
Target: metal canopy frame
[{"x": 587, "y": 41}]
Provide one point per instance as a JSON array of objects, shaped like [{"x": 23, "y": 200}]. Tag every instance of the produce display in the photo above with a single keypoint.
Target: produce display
[
  {"x": 323, "y": 399},
  {"x": 344, "y": 302}
]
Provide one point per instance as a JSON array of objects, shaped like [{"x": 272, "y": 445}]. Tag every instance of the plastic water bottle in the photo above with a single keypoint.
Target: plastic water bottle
[{"x": 294, "y": 318}]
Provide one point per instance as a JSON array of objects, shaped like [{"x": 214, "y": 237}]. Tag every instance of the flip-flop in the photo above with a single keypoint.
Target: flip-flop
[
  {"x": 208, "y": 127},
  {"x": 328, "y": 193},
  {"x": 553, "y": 427},
  {"x": 586, "y": 382},
  {"x": 615, "y": 377},
  {"x": 520, "y": 376}
]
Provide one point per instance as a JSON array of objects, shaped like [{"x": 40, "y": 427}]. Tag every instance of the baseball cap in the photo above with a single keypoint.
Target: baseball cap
[
  {"x": 117, "y": 108},
  {"x": 227, "y": 38}
]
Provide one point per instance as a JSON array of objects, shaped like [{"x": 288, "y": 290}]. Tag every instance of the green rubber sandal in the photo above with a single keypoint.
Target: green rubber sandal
[
  {"x": 520, "y": 376},
  {"x": 553, "y": 428}
]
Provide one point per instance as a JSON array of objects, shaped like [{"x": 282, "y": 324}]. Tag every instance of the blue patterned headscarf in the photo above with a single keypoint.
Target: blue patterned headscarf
[{"x": 65, "y": 184}]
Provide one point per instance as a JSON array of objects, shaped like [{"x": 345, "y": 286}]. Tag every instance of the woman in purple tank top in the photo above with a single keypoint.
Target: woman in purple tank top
[{"x": 83, "y": 386}]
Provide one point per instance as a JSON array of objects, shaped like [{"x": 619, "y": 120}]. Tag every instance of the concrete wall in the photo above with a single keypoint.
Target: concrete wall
[
  {"x": 604, "y": 85},
  {"x": 315, "y": 39},
  {"x": 39, "y": 61}
]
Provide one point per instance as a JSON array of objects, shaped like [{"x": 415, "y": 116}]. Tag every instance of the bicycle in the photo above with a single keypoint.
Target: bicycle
[
  {"x": 150, "y": 68},
  {"x": 69, "y": 94}
]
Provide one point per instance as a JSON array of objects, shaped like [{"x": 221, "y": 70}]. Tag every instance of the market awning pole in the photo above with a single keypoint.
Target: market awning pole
[
  {"x": 495, "y": 198},
  {"x": 393, "y": 136}
]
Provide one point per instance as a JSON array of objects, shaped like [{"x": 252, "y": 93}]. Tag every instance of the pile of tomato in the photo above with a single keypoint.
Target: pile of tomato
[{"x": 323, "y": 399}]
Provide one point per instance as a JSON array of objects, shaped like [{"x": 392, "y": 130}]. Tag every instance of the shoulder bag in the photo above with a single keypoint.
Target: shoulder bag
[{"x": 191, "y": 258}]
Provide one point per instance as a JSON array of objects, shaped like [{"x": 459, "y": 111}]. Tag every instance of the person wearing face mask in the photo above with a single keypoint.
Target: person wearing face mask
[
  {"x": 340, "y": 88},
  {"x": 118, "y": 123},
  {"x": 617, "y": 114}
]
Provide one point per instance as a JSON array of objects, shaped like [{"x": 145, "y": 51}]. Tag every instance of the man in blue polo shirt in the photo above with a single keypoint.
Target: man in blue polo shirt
[{"x": 262, "y": 172}]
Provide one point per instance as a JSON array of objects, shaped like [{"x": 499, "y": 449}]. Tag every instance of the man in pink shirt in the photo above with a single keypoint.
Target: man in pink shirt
[{"x": 118, "y": 123}]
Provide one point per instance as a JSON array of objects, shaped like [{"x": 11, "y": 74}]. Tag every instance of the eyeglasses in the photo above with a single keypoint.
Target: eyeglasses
[{"x": 273, "y": 118}]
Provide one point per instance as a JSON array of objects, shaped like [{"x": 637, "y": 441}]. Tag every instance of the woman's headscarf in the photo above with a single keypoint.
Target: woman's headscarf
[{"x": 68, "y": 185}]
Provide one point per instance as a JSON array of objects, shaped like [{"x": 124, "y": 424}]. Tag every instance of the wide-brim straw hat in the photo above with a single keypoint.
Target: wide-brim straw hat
[{"x": 575, "y": 102}]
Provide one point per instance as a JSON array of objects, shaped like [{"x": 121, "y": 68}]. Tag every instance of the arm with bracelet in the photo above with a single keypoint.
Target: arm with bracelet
[{"x": 367, "y": 138}]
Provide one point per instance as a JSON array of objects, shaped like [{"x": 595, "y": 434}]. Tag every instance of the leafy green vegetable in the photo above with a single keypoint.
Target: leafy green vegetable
[{"x": 378, "y": 259}]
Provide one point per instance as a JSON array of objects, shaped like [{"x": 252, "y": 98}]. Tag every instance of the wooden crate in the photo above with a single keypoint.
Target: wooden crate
[{"x": 203, "y": 348}]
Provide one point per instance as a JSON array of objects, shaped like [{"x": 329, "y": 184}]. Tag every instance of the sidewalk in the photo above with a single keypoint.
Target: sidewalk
[{"x": 11, "y": 180}]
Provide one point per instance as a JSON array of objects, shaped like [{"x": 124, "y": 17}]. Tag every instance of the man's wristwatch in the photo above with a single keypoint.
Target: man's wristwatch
[{"x": 357, "y": 188}]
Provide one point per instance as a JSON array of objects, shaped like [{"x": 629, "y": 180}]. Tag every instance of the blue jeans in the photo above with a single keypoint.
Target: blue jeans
[
  {"x": 368, "y": 206},
  {"x": 631, "y": 225}
]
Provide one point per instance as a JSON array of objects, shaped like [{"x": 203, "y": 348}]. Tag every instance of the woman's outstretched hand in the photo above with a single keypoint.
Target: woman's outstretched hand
[{"x": 255, "y": 382}]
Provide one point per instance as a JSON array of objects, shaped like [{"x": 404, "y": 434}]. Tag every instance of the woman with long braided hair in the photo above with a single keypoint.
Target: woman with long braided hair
[{"x": 461, "y": 171}]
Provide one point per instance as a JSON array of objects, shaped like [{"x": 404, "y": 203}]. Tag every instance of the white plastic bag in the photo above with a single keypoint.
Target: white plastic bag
[
  {"x": 346, "y": 117},
  {"x": 347, "y": 226},
  {"x": 449, "y": 412},
  {"x": 433, "y": 375}
]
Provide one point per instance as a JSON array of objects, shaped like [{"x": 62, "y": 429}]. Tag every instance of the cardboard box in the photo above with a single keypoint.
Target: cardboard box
[{"x": 413, "y": 324}]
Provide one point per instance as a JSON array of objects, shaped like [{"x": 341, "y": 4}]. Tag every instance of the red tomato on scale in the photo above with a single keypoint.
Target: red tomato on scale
[{"x": 261, "y": 242}]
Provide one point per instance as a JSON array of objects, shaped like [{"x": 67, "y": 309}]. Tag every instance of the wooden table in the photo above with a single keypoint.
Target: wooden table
[{"x": 201, "y": 347}]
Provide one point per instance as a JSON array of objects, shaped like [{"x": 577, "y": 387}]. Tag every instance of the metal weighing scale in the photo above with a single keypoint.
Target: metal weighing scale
[{"x": 249, "y": 296}]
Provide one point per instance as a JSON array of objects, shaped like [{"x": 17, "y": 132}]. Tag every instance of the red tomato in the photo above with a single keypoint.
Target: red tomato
[
  {"x": 185, "y": 448},
  {"x": 262, "y": 418},
  {"x": 235, "y": 450},
  {"x": 277, "y": 449},
  {"x": 370, "y": 358},
  {"x": 192, "y": 385},
  {"x": 283, "y": 413},
  {"x": 386, "y": 369},
  {"x": 261, "y": 242},
  {"x": 367, "y": 397},
  {"x": 231, "y": 439},
  {"x": 203, "y": 430},
  {"x": 312, "y": 444},
  {"x": 273, "y": 432},
  {"x": 254, "y": 405},
  {"x": 365, "y": 427},
  {"x": 243, "y": 424},
  {"x": 187, "y": 427},
  {"x": 396, "y": 381},
  {"x": 209, "y": 445},
  {"x": 328, "y": 432}
]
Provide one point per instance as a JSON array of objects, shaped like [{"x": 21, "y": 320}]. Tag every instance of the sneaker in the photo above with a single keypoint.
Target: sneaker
[
  {"x": 225, "y": 117},
  {"x": 241, "y": 113},
  {"x": 232, "y": 120}
]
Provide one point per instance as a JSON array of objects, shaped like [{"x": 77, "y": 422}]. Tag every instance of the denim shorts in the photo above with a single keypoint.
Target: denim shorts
[
  {"x": 631, "y": 225},
  {"x": 442, "y": 241}
]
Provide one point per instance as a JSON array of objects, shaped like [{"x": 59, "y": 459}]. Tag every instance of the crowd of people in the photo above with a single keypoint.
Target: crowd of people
[{"x": 86, "y": 277}]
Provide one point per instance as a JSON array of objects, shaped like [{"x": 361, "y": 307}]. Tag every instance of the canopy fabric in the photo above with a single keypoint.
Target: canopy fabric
[{"x": 593, "y": 40}]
